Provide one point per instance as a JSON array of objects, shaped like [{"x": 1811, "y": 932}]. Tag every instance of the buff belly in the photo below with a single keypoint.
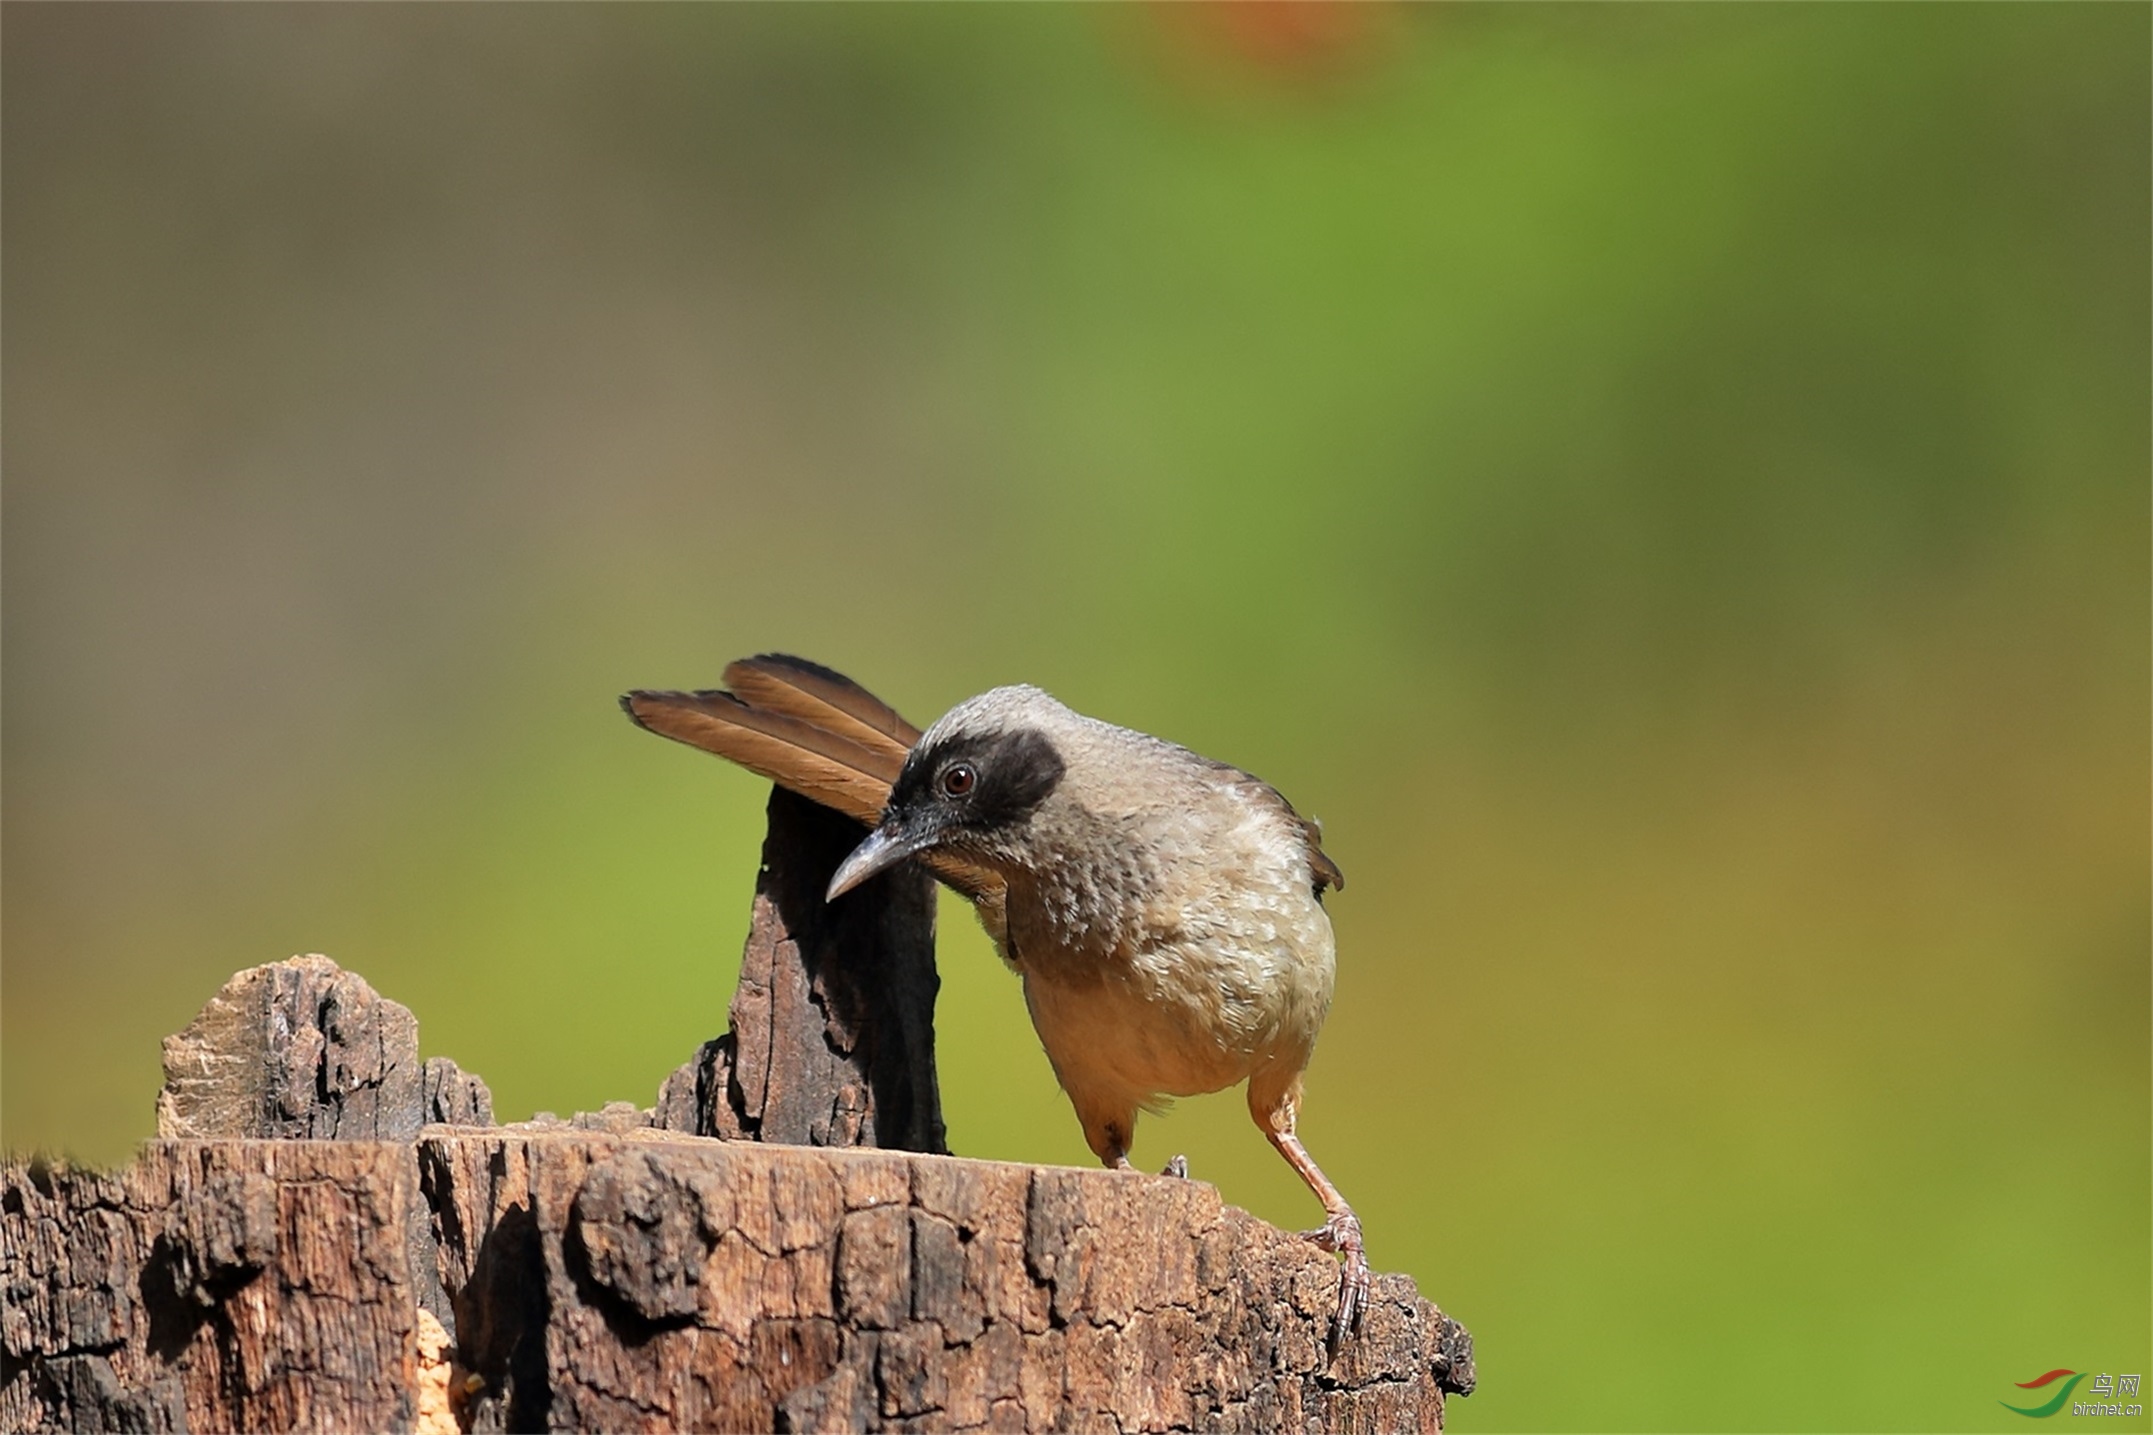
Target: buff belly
[{"x": 1180, "y": 1024}]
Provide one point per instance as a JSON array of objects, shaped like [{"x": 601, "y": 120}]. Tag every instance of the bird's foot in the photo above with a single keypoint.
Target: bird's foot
[
  {"x": 1341, "y": 1234},
  {"x": 1178, "y": 1168}
]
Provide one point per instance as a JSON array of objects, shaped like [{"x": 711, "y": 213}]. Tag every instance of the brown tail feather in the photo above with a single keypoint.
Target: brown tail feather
[
  {"x": 812, "y": 730},
  {"x": 832, "y": 768},
  {"x": 779, "y": 682}
]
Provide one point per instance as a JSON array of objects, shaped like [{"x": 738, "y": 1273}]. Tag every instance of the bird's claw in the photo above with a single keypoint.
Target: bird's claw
[
  {"x": 1341, "y": 1235},
  {"x": 1178, "y": 1168}
]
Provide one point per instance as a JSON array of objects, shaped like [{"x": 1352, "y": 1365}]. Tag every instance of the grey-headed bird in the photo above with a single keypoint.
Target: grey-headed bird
[{"x": 1164, "y": 910}]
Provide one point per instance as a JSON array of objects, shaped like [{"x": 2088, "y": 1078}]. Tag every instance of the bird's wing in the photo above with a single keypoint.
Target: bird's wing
[
  {"x": 1324, "y": 871},
  {"x": 1319, "y": 861}
]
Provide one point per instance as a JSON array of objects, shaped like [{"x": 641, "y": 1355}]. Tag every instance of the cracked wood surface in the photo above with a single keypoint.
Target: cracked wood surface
[
  {"x": 304, "y": 1049},
  {"x": 832, "y": 1039},
  {"x": 212, "y": 1285},
  {"x": 646, "y": 1280}
]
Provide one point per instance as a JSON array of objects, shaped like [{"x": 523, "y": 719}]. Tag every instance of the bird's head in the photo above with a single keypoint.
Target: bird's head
[{"x": 970, "y": 787}]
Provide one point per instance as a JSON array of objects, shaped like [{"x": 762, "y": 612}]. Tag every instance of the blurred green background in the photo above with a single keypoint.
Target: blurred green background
[{"x": 1668, "y": 486}]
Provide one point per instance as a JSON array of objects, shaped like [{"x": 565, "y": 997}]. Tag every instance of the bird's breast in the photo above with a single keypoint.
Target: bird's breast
[{"x": 1178, "y": 985}]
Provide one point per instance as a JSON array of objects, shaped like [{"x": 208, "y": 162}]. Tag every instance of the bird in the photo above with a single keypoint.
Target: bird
[{"x": 1164, "y": 910}]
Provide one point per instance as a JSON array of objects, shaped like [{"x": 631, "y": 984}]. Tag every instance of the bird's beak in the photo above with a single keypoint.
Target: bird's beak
[{"x": 884, "y": 848}]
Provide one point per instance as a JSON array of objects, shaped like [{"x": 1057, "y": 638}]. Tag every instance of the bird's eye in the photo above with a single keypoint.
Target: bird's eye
[{"x": 959, "y": 779}]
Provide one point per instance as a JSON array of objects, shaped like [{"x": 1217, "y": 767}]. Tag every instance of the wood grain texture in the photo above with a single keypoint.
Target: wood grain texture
[
  {"x": 832, "y": 1039},
  {"x": 645, "y": 1280},
  {"x": 212, "y": 1285},
  {"x": 304, "y": 1049}
]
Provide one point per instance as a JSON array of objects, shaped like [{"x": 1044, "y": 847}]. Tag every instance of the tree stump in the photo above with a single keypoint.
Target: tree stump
[
  {"x": 330, "y": 1235},
  {"x": 652, "y": 1281}
]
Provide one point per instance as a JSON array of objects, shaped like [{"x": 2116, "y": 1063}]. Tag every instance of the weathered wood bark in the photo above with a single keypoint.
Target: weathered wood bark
[
  {"x": 302, "y": 1048},
  {"x": 226, "y": 1285},
  {"x": 832, "y": 1040},
  {"x": 696, "y": 1285},
  {"x": 652, "y": 1281}
]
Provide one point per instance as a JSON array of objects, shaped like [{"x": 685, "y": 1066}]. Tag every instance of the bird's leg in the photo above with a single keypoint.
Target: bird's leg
[
  {"x": 1340, "y": 1231},
  {"x": 1109, "y": 1139}
]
